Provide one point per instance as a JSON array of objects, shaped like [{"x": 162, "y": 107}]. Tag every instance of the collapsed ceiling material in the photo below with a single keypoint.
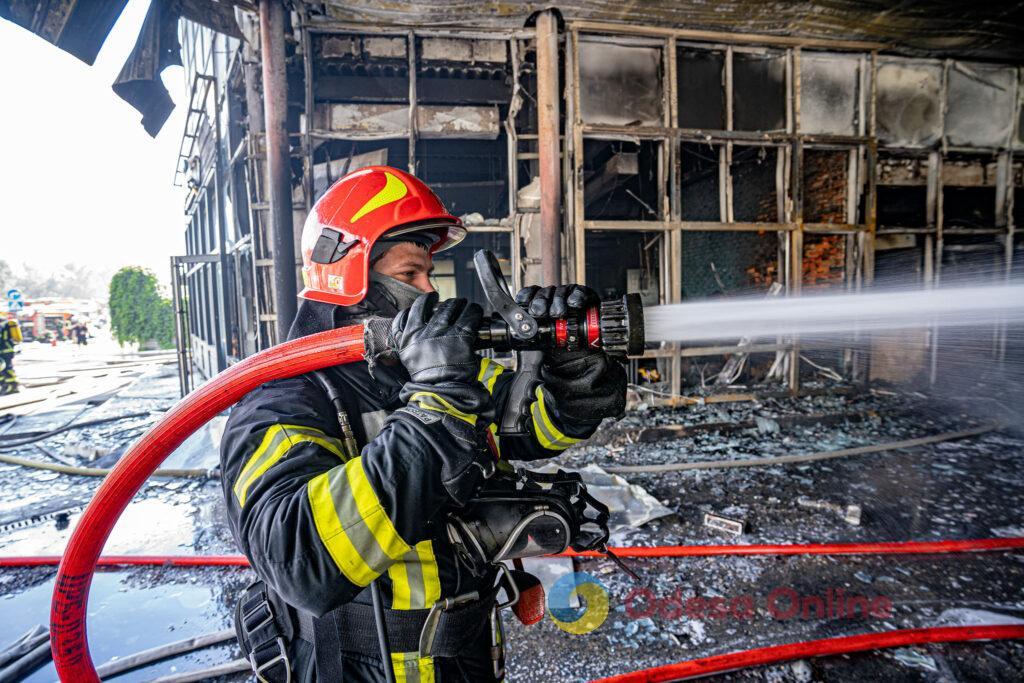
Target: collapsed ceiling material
[
  {"x": 78, "y": 28},
  {"x": 81, "y": 28}
]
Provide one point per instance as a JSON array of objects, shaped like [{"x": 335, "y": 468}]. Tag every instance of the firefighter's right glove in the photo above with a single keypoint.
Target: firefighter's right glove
[
  {"x": 587, "y": 385},
  {"x": 435, "y": 342}
]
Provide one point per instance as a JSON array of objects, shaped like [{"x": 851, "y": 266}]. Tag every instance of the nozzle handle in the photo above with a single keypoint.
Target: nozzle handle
[{"x": 521, "y": 325}]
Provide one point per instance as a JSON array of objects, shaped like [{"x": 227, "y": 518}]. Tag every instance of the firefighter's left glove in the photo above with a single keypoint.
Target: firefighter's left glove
[{"x": 436, "y": 344}]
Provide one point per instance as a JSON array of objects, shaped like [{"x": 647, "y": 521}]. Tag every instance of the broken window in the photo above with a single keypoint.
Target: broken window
[
  {"x": 620, "y": 262},
  {"x": 902, "y": 194},
  {"x": 700, "y": 178},
  {"x": 824, "y": 261},
  {"x": 971, "y": 259},
  {"x": 825, "y": 185},
  {"x": 902, "y": 206},
  {"x": 908, "y": 105},
  {"x": 968, "y": 192},
  {"x": 898, "y": 261},
  {"x": 759, "y": 91},
  {"x": 755, "y": 176},
  {"x": 701, "y": 88},
  {"x": 727, "y": 263},
  {"x": 620, "y": 85},
  {"x": 621, "y": 180},
  {"x": 968, "y": 207},
  {"x": 470, "y": 176},
  {"x": 829, "y": 92},
  {"x": 980, "y": 104}
]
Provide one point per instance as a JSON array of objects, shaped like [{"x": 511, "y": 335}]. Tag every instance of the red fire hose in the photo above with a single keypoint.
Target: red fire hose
[
  {"x": 71, "y": 593},
  {"x": 706, "y": 666},
  {"x": 969, "y": 545}
]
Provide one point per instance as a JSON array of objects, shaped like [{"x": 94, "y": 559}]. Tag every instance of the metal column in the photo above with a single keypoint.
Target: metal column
[
  {"x": 279, "y": 175},
  {"x": 548, "y": 146}
]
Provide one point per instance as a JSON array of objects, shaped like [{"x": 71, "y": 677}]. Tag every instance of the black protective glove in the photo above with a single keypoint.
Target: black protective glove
[
  {"x": 588, "y": 385},
  {"x": 436, "y": 346}
]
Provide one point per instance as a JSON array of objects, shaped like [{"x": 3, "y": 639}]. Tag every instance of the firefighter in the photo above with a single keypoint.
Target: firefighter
[
  {"x": 323, "y": 501},
  {"x": 10, "y": 334}
]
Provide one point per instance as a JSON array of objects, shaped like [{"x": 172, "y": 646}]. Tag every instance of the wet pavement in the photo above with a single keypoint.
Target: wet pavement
[{"x": 970, "y": 488}]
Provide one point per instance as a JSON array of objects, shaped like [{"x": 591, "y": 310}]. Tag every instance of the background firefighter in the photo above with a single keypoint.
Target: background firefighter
[
  {"x": 10, "y": 335},
  {"x": 337, "y": 479}
]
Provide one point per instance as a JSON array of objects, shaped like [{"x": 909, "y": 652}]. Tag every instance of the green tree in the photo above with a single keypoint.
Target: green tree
[{"x": 138, "y": 312}]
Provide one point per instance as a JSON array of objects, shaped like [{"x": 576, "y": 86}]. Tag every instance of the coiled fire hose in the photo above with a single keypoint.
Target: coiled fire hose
[{"x": 69, "y": 639}]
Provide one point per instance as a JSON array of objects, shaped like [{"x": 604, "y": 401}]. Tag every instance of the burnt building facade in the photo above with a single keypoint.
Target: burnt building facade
[{"x": 758, "y": 150}]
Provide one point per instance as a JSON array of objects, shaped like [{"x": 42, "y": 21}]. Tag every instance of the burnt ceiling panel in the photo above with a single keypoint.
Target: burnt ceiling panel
[{"x": 991, "y": 30}]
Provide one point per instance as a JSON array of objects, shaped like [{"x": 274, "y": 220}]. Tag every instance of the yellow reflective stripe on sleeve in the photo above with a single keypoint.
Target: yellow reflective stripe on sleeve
[
  {"x": 548, "y": 435},
  {"x": 355, "y": 529},
  {"x": 489, "y": 371},
  {"x": 493, "y": 429},
  {"x": 276, "y": 442},
  {"x": 411, "y": 668},
  {"x": 414, "y": 579},
  {"x": 431, "y": 401},
  {"x": 431, "y": 578},
  {"x": 401, "y": 587}
]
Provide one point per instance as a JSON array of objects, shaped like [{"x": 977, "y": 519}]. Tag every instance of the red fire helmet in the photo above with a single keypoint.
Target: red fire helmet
[{"x": 352, "y": 215}]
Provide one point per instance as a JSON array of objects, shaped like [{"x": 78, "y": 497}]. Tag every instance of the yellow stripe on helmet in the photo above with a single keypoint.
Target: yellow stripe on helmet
[{"x": 394, "y": 189}]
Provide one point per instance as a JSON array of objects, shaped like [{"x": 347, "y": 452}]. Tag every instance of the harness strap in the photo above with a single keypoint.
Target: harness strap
[
  {"x": 265, "y": 628},
  {"x": 457, "y": 629}
]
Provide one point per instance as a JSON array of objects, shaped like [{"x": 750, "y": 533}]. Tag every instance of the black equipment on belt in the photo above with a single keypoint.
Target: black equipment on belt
[{"x": 521, "y": 514}]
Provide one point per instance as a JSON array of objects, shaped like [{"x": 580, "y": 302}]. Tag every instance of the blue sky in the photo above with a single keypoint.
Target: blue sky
[{"x": 81, "y": 181}]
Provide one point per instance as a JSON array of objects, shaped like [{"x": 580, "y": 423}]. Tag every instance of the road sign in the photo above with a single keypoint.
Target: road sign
[
  {"x": 14, "y": 294},
  {"x": 15, "y": 305}
]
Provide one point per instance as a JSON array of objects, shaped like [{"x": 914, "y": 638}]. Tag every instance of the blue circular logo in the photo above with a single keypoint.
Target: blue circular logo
[{"x": 590, "y": 614}]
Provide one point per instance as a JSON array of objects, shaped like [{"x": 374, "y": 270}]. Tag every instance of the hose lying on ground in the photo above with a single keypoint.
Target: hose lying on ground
[
  {"x": 102, "y": 472},
  {"x": 33, "y": 652},
  {"x": 35, "y": 637},
  {"x": 707, "y": 666},
  {"x": 24, "y": 438},
  {"x": 971, "y": 545},
  {"x": 807, "y": 457},
  {"x": 155, "y": 654},
  {"x": 46, "y": 435}
]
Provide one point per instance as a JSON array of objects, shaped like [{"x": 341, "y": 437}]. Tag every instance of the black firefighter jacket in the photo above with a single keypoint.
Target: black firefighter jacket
[{"x": 318, "y": 527}]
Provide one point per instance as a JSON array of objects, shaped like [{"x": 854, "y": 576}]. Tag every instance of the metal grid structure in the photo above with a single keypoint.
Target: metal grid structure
[
  {"x": 834, "y": 104},
  {"x": 805, "y": 129},
  {"x": 312, "y": 135},
  {"x": 211, "y": 324},
  {"x": 790, "y": 143}
]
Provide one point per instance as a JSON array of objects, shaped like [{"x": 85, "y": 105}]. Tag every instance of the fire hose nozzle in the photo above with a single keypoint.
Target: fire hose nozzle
[{"x": 616, "y": 326}]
